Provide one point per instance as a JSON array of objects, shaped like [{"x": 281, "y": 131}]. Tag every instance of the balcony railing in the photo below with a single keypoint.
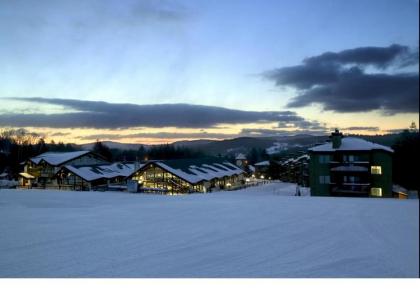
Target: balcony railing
[
  {"x": 360, "y": 189},
  {"x": 350, "y": 168}
]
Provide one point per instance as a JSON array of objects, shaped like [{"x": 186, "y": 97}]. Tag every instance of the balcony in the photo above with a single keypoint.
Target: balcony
[
  {"x": 350, "y": 168},
  {"x": 351, "y": 189}
]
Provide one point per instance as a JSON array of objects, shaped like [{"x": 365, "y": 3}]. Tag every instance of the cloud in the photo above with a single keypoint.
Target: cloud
[
  {"x": 340, "y": 81},
  {"x": 362, "y": 128},
  {"x": 381, "y": 57},
  {"x": 260, "y": 132},
  {"x": 83, "y": 14},
  {"x": 101, "y": 115},
  {"x": 59, "y": 134},
  {"x": 396, "y": 130},
  {"x": 159, "y": 135},
  {"x": 246, "y": 132},
  {"x": 162, "y": 10}
]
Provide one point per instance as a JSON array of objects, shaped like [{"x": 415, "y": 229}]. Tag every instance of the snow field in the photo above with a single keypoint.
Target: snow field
[{"x": 258, "y": 232}]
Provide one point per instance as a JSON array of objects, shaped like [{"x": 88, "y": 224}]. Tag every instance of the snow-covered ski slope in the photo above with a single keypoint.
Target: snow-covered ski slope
[{"x": 257, "y": 232}]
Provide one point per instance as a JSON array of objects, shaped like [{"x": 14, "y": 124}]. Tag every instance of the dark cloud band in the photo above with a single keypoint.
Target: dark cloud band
[
  {"x": 339, "y": 81},
  {"x": 98, "y": 114}
]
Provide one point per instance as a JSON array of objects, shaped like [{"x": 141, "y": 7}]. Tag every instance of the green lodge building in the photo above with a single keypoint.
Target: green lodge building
[{"x": 349, "y": 166}]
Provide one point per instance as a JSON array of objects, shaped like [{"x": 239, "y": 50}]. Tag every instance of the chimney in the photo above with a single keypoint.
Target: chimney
[
  {"x": 136, "y": 164},
  {"x": 336, "y": 137}
]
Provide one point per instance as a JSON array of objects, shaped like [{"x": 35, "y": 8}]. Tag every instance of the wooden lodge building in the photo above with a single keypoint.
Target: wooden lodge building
[
  {"x": 187, "y": 176},
  {"x": 77, "y": 170},
  {"x": 84, "y": 170},
  {"x": 94, "y": 177},
  {"x": 41, "y": 170}
]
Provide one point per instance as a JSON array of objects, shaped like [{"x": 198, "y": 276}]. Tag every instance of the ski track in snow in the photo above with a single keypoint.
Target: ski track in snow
[{"x": 257, "y": 232}]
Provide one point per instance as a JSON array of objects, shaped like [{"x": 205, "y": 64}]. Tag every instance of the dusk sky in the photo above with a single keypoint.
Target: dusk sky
[{"x": 144, "y": 71}]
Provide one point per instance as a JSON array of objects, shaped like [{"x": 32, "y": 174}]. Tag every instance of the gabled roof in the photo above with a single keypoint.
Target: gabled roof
[
  {"x": 196, "y": 170},
  {"x": 26, "y": 176},
  {"x": 58, "y": 158},
  {"x": 96, "y": 172},
  {"x": 251, "y": 168},
  {"x": 351, "y": 144},
  {"x": 240, "y": 156}
]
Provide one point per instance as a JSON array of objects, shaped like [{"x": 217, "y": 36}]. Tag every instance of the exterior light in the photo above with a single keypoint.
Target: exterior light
[
  {"x": 262, "y": 177},
  {"x": 228, "y": 184},
  {"x": 247, "y": 180}
]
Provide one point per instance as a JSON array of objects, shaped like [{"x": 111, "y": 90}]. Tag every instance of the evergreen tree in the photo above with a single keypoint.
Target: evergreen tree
[
  {"x": 102, "y": 150},
  {"x": 406, "y": 160},
  {"x": 253, "y": 156},
  {"x": 141, "y": 152}
]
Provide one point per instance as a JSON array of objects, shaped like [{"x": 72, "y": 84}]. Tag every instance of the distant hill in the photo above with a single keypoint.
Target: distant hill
[
  {"x": 113, "y": 145},
  {"x": 272, "y": 145},
  {"x": 387, "y": 140},
  {"x": 193, "y": 143},
  {"x": 244, "y": 144}
]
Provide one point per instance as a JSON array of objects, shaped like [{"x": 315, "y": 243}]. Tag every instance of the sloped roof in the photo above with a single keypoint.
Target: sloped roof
[
  {"x": 27, "y": 176},
  {"x": 294, "y": 160},
  {"x": 96, "y": 172},
  {"x": 57, "y": 158},
  {"x": 240, "y": 156},
  {"x": 351, "y": 144},
  {"x": 262, "y": 163},
  {"x": 198, "y": 169}
]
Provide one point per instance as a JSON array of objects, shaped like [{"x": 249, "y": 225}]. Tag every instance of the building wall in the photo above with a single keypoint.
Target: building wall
[
  {"x": 317, "y": 169},
  {"x": 375, "y": 158},
  {"x": 44, "y": 173},
  {"x": 384, "y": 180}
]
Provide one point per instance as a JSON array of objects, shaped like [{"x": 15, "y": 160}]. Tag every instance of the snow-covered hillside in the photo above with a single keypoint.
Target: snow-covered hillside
[{"x": 258, "y": 232}]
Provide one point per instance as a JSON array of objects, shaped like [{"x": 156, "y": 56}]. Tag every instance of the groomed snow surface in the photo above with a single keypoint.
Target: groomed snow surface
[{"x": 257, "y": 232}]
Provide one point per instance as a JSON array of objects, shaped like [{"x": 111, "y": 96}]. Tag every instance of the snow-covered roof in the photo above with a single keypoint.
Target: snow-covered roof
[
  {"x": 240, "y": 156},
  {"x": 398, "y": 188},
  {"x": 96, "y": 172},
  {"x": 27, "y": 176},
  {"x": 262, "y": 163},
  {"x": 57, "y": 158},
  {"x": 302, "y": 157},
  {"x": 351, "y": 144},
  {"x": 196, "y": 170},
  {"x": 251, "y": 168}
]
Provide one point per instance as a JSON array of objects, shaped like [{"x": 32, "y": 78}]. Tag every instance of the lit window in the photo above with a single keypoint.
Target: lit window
[
  {"x": 376, "y": 170},
  {"x": 375, "y": 191}
]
